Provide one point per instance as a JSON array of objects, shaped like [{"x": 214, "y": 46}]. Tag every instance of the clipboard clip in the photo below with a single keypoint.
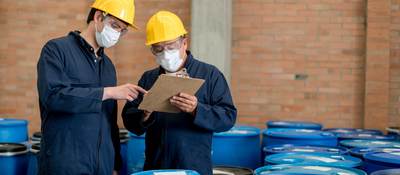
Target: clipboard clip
[{"x": 182, "y": 73}]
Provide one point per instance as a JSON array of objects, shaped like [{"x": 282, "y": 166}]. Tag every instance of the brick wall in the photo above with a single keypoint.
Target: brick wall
[
  {"x": 291, "y": 59},
  {"x": 26, "y": 25},
  {"x": 321, "y": 42}
]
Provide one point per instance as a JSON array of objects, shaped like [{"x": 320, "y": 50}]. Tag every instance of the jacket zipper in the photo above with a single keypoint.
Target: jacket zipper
[{"x": 97, "y": 70}]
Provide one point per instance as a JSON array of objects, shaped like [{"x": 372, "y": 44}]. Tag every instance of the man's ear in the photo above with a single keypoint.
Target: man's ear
[
  {"x": 98, "y": 16},
  {"x": 185, "y": 43}
]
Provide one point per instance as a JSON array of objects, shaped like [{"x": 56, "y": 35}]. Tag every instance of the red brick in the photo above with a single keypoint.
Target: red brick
[
  {"x": 43, "y": 20},
  {"x": 272, "y": 41}
]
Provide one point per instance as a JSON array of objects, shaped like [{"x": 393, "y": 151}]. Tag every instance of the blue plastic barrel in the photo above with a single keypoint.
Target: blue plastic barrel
[
  {"x": 13, "y": 130},
  {"x": 33, "y": 159},
  {"x": 306, "y": 170},
  {"x": 123, "y": 139},
  {"x": 136, "y": 154},
  {"x": 229, "y": 170},
  {"x": 387, "y": 172},
  {"x": 293, "y": 125},
  {"x": 167, "y": 172},
  {"x": 303, "y": 149},
  {"x": 361, "y": 136},
  {"x": 13, "y": 159},
  {"x": 360, "y": 152},
  {"x": 381, "y": 161},
  {"x": 369, "y": 143},
  {"x": 240, "y": 146},
  {"x": 277, "y": 136},
  {"x": 319, "y": 159},
  {"x": 353, "y": 131}
]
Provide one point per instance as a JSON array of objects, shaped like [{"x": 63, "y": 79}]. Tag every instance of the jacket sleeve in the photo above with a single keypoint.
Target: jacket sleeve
[
  {"x": 133, "y": 117},
  {"x": 56, "y": 92},
  {"x": 115, "y": 138},
  {"x": 220, "y": 114}
]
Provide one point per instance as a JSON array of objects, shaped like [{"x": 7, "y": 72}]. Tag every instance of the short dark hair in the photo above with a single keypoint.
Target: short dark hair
[{"x": 91, "y": 15}]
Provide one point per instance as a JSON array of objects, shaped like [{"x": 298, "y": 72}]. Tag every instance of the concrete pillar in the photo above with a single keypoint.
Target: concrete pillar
[
  {"x": 211, "y": 33},
  {"x": 376, "y": 113}
]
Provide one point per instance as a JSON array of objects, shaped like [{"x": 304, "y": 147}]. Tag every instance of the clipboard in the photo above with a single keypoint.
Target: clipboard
[{"x": 166, "y": 86}]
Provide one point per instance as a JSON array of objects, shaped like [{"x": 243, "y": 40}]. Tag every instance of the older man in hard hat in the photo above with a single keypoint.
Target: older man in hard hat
[
  {"x": 78, "y": 93},
  {"x": 183, "y": 140}
]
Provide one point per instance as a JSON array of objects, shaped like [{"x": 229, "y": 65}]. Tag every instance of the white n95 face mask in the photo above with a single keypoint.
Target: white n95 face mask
[
  {"x": 170, "y": 60},
  {"x": 108, "y": 37}
]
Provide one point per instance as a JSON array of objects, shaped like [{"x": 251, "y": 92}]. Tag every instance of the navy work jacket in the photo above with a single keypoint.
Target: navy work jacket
[
  {"x": 79, "y": 130},
  {"x": 183, "y": 141}
]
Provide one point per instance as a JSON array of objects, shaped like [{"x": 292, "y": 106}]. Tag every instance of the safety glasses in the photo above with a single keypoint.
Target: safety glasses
[
  {"x": 113, "y": 23},
  {"x": 158, "y": 49}
]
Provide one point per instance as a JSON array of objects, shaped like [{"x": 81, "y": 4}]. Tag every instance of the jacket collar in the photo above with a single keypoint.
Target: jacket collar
[{"x": 84, "y": 44}]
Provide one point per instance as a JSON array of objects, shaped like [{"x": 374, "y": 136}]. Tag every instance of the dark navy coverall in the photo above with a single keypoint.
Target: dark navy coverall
[
  {"x": 79, "y": 130},
  {"x": 183, "y": 141}
]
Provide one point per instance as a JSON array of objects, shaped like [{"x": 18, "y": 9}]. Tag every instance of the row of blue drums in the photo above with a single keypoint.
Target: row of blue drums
[
  {"x": 283, "y": 148},
  {"x": 304, "y": 148},
  {"x": 19, "y": 154}
]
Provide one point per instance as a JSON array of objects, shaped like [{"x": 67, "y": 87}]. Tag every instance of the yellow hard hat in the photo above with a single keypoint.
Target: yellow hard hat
[
  {"x": 121, "y": 9},
  {"x": 163, "y": 26}
]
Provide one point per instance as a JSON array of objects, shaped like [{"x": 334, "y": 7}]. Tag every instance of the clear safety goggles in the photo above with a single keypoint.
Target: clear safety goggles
[
  {"x": 113, "y": 23},
  {"x": 158, "y": 49}
]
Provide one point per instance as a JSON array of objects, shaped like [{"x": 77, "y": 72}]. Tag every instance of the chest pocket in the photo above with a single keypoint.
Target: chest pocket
[{"x": 81, "y": 71}]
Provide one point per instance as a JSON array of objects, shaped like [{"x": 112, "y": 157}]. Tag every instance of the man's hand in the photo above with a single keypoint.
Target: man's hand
[
  {"x": 115, "y": 173},
  {"x": 185, "y": 102},
  {"x": 123, "y": 92},
  {"x": 146, "y": 115}
]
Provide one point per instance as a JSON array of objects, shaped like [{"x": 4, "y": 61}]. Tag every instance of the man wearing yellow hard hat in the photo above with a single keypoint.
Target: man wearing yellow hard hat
[
  {"x": 183, "y": 140},
  {"x": 77, "y": 95}
]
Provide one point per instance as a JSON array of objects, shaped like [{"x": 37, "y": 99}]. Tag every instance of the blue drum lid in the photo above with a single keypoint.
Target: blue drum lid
[
  {"x": 365, "y": 136},
  {"x": 227, "y": 170},
  {"x": 123, "y": 131},
  {"x": 12, "y": 122},
  {"x": 320, "y": 159},
  {"x": 35, "y": 148},
  {"x": 123, "y": 135},
  {"x": 384, "y": 157},
  {"x": 306, "y": 170},
  {"x": 167, "y": 172},
  {"x": 294, "y": 124},
  {"x": 387, "y": 172},
  {"x": 11, "y": 149},
  {"x": 353, "y": 130},
  {"x": 362, "y": 151},
  {"x": 393, "y": 130},
  {"x": 239, "y": 131},
  {"x": 369, "y": 143},
  {"x": 304, "y": 149},
  {"x": 298, "y": 133},
  {"x": 123, "y": 139},
  {"x": 37, "y": 136}
]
